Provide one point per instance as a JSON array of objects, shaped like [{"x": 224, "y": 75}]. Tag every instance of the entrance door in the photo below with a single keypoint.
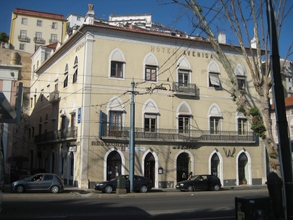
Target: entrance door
[
  {"x": 242, "y": 165},
  {"x": 149, "y": 167},
  {"x": 182, "y": 167},
  {"x": 113, "y": 165},
  {"x": 215, "y": 165}
]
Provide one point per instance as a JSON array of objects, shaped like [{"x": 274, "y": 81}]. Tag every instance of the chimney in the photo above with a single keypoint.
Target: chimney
[{"x": 222, "y": 38}]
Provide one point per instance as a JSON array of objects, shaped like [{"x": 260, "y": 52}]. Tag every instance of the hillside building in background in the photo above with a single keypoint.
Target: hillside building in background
[{"x": 30, "y": 29}]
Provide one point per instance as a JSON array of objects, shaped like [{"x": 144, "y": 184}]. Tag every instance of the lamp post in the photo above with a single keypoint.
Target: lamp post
[
  {"x": 132, "y": 137},
  {"x": 281, "y": 119}
]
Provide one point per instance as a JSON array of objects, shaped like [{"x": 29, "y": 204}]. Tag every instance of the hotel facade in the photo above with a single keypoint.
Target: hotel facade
[{"x": 184, "y": 119}]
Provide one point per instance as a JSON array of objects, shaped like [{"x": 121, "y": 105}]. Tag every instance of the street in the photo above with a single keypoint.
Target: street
[{"x": 157, "y": 204}]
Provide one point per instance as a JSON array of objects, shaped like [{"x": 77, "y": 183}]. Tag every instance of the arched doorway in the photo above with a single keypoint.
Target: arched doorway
[
  {"x": 149, "y": 167},
  {"x": 183, "y": 170},
  {"x": 215, "y": 162},
  {"x": 242, "y": 168},
  {"x": 113, "y": 165}
]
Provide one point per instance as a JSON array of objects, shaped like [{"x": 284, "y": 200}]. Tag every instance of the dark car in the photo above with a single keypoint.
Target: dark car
[
  {"x": 19, "y": 174},
  {"x": 39, "y": 182},
  {"x": 140, "y": 184},
  {"x": 200, "y": 182}
]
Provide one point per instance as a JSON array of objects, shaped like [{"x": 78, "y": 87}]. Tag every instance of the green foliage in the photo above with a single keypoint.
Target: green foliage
[
  {"x": 257, "y": 123},
  {"x": 4, "y": 37}
]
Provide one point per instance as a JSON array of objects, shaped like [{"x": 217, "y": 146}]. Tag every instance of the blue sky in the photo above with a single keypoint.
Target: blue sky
[{"x": 170, "y": 15}]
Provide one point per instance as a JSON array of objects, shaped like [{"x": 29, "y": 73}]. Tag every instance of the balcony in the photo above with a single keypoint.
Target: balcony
[
  {"x": 54, "y": 96},
  {"x": 185, "y": 89},
  {"x": 52, "y": 41},
  {"x": 24, "y": 39},
  {"x": 68, "y": 134},
  {"x": 175, "y": 136},
  {"x": 39, "y": 40}
]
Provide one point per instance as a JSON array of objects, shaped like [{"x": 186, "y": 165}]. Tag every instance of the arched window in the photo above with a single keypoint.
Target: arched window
[
  {"x": 184, "y": 118},
  {"x": 240, "y": 77},
  {"x": 215, "y": 119},
  {"x": 75, "y": 66},
  {"x": 214, "y": 76},
  {"x": 151, "y": 68},
  {"x": 117, "y": 61},
  {"x": 151, "y": 113},
  {"x": 116, "y": 111},
  {"x": 65, "y": 82}
]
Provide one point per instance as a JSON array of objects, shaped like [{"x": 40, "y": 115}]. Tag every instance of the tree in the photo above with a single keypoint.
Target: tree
[
  {"x": 247, "y": 20},
  {"x": 4, "y": 37}
]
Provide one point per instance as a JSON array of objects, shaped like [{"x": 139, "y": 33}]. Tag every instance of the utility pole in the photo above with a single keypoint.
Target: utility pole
[
  {"x": 132, "y": 138},
  {"x": 285, "y": 153}
]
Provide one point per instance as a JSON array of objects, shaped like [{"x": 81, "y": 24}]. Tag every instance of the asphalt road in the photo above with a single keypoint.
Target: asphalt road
[{"x": 74, "y": 204}]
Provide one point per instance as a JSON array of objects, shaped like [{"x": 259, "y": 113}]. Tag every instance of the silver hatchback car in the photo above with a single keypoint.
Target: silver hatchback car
[{"x": 39, "y": 182}]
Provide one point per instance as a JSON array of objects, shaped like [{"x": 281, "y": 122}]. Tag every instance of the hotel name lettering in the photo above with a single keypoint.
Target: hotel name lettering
[
  {"x": 124, "y": 147},
  {"x": 190, "y": 53}
]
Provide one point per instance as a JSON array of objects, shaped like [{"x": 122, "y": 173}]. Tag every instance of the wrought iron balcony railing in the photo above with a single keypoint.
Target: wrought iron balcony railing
[
  {"x": 188, "y": 89},
  {"x": 57, "y": 136},
  {"x": 173, "y": 136},
  {"x": 52, "y": 41},
  {"x": 39, "y": 40},
  {"x": 24, "y": 39}
]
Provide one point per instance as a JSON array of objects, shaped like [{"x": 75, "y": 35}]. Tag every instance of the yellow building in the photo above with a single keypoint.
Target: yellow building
[
  {"x": 30, "y": 29},
  {"x": 185, "y": 119}
]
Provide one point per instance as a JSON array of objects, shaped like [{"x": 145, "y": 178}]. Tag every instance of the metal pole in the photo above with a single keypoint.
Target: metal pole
[
  {"x": 131, "y": 138},
  {"x": 285, "y": 153}
]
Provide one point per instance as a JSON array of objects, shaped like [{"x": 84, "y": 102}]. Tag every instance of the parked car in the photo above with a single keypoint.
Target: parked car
[
  {"x": 39, "y": 182},
  {"x": 200, "y": 182},
  {"x": 140, "y": 184}
]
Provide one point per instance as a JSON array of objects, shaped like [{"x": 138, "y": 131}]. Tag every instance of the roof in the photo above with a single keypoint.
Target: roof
[
  {"x": 288, "y": 102},
  {"x": 39, "y": 14}
]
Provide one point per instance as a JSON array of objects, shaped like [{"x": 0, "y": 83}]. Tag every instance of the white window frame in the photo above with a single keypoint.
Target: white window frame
[{"x": 24, "y": 21}]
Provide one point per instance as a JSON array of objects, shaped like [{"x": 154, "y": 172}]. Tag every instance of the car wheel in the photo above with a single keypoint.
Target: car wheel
[
  {"x": 20, "y": 189},
  {"x": 108, "y": 189},
  {"x": 216, "y": 187},
  {"x": 55, "y": 189},
  {"x": 143, "y": 189},
  {"x": 190, "y": 188}
]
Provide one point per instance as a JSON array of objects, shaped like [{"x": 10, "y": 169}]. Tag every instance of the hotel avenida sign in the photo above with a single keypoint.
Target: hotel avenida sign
[{"x": 190, "y": 53}]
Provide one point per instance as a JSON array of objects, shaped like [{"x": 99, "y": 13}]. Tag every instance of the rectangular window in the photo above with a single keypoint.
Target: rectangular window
[
  {"x": 39, "y": 23},
  {"x": 214, "y": 80},
  {"x": 38, "y": 35},
  {"x": 291, "y": 110},
  {"x": 115, "y": 125},
  {"x": 242, "y": 126},
  {"x": 150, "y": 122},
  {"x": 21, "y": 46},
  {"x": 54, "y": 25},
  {"x": 183, "y": 123},
  {"x": 151, "y": 73},
  {"x": 23, "y": 34},
  {"x": 24, "y": 21},
  {"x": 53, "y": 38},
  {"x": 78, "y": 18},
  {"x": 116, "y": 69},
  {"x": 241, "y": 83},
  {"x": 183, "y": 77},
  {"x": 215, "y": 125},
  {"x": 73, "y": 119}
]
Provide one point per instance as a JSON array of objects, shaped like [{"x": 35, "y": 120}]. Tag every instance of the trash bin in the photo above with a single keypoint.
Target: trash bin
[
  {"x": 121, "y": 185},
  {"x": 121, "y": 182},
  {"x": 274, "y": 184},
  {"x": 254, "y": 208}
]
